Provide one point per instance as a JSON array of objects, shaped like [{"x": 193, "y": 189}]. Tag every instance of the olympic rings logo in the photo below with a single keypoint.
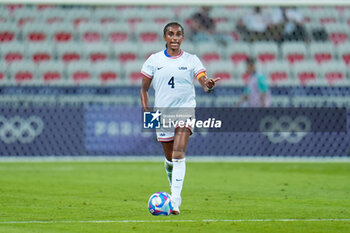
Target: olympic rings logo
[
  {"x": 285, "y": 128},
  {"x": 18, "y": 128}
]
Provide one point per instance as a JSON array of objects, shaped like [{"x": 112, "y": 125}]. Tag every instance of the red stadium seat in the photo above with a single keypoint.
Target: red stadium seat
[
  {"x": 97, "y": 52},
  {"x": 23, "y": 72},
  {"x": 117, "y": 33},
  {"x": 146, "y": 32},
  {"x": 51, "y": 72},
  {"x": 8, "y": 32},
  {"x": 222, "y": 69},
  {"x": 69, "y": 52},
  {"x": 209, "y": 52},
  {"x": 265, "y": 51},
  {"x": 322, "y": 52},
  {"x": 108, "y": 72},
  {"x": 333, "y": 72},
  {"x": 306, "y": 71},
  {"x": 278, "y": 72},
  {"x": 338, "y": 33},
  {"x": 126, "y": 52},
  {"x": 40, "y": 52},
  {"x": 62, "y": 32},
  {"x": 343, "y": 52},
  {"x": 13, "y": 52},
  {"x": 294, "y": 52},
  {"x": 106, "y": 15},
  {"x": 80, "y": 73},
  {"x": 36, "y": 32}
]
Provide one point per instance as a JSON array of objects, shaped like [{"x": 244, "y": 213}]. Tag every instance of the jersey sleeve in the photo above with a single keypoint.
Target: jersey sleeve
[
  {"x": 262, "y": 83},
  {"x": 198, "y": 66},
  {"x": 148, "y": 67}
]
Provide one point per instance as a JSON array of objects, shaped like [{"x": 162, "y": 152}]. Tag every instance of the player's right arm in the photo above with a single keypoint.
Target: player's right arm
[{"x": 146, "y": 83}]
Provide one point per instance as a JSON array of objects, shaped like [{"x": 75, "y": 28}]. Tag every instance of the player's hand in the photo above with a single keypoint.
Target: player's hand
[{"x": 210, "y": 83}]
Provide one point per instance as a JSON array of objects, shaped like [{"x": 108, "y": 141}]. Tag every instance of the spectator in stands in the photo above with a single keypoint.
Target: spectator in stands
[
  {"x": 202, "y": 25},
  {"x": 256, "y": 93},
  {"x": 288, "y": 23},
  {"x": 203, "y": 28},
  {"x": 253, "y": 26}
]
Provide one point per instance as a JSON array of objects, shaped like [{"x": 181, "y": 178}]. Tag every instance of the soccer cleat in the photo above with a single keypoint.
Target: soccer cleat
[
  {"x": 176, "y": 202},
  {"x": 175, "y": 211}
]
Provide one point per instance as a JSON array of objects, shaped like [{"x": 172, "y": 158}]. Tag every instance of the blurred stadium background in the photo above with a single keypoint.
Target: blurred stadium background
[{"x": 70, "y": 75}]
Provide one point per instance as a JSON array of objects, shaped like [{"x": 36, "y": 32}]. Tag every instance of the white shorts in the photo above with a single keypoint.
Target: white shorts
[{"x": 169, "y": 136}]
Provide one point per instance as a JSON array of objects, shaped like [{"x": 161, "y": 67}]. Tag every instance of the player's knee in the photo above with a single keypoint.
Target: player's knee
[{"x": 178, "y": 154}]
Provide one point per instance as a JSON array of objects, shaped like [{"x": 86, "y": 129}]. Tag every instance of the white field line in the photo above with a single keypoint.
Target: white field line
[
  {"x": 160, "y": 158},
  {"x": 175, "y": 221}
]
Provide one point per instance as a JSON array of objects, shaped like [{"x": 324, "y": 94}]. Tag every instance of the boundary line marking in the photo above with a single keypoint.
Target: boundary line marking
[
  {"x": 160, "y": 158},
  {"x": 175, "y": 221}
]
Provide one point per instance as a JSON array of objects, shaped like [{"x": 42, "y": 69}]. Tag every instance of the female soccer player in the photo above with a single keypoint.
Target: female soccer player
[{"x": 171, "y": 72}]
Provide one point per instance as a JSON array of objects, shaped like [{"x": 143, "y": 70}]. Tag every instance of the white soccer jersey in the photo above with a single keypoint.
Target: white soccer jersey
[{"x": 172, "y": 78}]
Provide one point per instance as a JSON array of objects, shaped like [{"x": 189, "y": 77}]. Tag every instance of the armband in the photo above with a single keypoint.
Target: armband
[{"x": 201, "y": 74}]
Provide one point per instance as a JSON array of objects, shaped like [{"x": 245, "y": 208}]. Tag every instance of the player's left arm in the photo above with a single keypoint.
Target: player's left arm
[
  {"x": 208, "y": 84},
  {"x": 263, "y": 87}
]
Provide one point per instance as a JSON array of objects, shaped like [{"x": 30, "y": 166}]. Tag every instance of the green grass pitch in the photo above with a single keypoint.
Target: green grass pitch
[{"x": 217, "y": 197}]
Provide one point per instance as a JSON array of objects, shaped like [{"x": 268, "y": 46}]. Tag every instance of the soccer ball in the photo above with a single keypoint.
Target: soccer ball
[{"x": 160, "y": 204}]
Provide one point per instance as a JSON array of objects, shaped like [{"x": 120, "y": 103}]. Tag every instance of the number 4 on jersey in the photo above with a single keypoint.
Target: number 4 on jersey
[{"x": 171, "y": 82}]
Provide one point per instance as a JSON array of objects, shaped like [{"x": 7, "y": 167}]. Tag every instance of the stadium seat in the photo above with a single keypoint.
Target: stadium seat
[
  {"x": 220, "y": 14},
  {"x": 322, "y": 52},
  {"x": 186, "y": 46},
  {"x": 132, "y": 15},
  {"x": 146, "y": 32},
  {"x": 227, "y": 29},
  {"x": 132, "y": 72},
  {"x": 97, "y": 52},
  {"x": 54, "y": 15},
  {"x": 186, "y": 13},
  {"x": 79, "y": 15},
  {"x": 69, "y": 52},
  {"x": 265, "y": 51},
  {"x": 146, "y": 51},
  {"x": 338, "y": 33},
  {"x": 238, "y": 52},
  {"x": 62, "y": 32},
  {"x": 5, "y": 16},
  {"x": 325, "y": 16},
  {"x": 160, "y": 16},
  {"x": 13, "y": 52},
  {"x": 278, "y": 72},
  {"x": 240, "y": 73},
  {"x": 8, "y": 32},
  {"x": 80, "y": 73},
  {"x": 40, "y": 52},
  {"x": 90, "y": 32},
  {"x": 209, "y": 52},
  {"x": 52, "y": 73},
  {"x": 108, "y": 72},
  {"x": 343, "y": 52},
  {"x": 26, "y": 15},
  {"x": 3, "y": 73},
  {"x": 106, "y": 15},
  {"x": 36, "y": 32},
  {"x": 126, "y": 52},
  {"x": 346, "y": 16},
  {"x": 306, "y": 71},
  {"x": 222, "y": 69},
  {"x": 23, "y": 72},
  {"x": 117, "y": 33},
  {"x": 294, "y": 52},
  {"x": 333, "y": 72}
]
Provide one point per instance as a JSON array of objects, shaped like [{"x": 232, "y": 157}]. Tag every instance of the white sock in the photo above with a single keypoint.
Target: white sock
[
  {"x": 169, "y": 169},
  {"x": 179, "y": 170}
]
